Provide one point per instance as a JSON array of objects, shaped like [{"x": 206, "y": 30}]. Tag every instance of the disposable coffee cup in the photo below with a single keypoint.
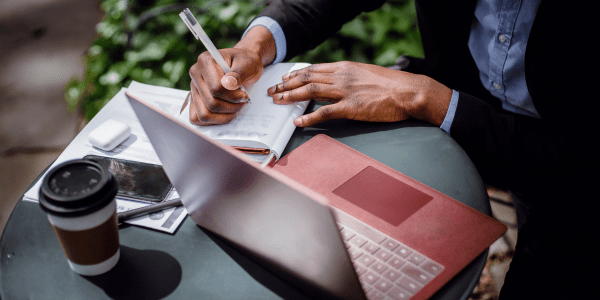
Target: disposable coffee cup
[{"x": 79, "y": 199}]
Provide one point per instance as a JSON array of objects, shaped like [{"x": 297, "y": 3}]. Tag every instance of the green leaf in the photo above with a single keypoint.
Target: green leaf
[
  {"x": 116, "y": 73},
  {"x": 95, "y": 64},
  {"x": 73, "y": 93},
  {"x": 228, "y": 12},
  {"x": 355, "y": 29},
  {"x": 154, "y": 50},
  {"x": 106, "y": 29},
  {"x": 160, "y": 81},
  {"x": 141, "y": 74},
  {"x": 387, "y": 58}
]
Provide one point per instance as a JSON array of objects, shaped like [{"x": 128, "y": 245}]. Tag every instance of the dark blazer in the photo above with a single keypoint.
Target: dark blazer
[{"x": 538, "y": 158}]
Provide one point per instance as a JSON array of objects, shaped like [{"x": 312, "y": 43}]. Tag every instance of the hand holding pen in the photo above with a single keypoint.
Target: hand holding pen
[
  {"x": 207, "y": 87},
  {"x": 216, "y": 89}
]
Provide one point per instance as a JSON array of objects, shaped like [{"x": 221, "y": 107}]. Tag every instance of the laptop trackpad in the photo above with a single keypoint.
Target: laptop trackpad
[{"x": 382, "y": 195}]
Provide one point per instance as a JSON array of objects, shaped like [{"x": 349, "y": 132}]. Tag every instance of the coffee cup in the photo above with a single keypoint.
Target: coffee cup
[{"x": 79, "y": 199}]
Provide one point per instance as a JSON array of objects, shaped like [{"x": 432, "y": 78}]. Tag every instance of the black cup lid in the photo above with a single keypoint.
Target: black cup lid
[{"x": 77, "y": 187}]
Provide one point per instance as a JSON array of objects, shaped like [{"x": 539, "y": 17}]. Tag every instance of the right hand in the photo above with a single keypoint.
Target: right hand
[{"x": 216, "y": 97}]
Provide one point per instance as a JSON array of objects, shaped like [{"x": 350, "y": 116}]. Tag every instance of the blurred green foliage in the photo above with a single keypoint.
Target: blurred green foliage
[{"x": 146, "y": 41}]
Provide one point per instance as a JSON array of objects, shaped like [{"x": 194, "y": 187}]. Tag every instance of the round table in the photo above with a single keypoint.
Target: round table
[{"x": 195, "y": 264}]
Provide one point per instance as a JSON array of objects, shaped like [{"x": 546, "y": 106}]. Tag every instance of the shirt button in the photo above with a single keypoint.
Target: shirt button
[
  {"x": 502, "y": 38},
  {"x": 497, "y": 85}
]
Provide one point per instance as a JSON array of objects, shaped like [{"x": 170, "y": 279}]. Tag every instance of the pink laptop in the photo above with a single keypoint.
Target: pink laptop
[
  {"x": 337, "y": 225},
  {"x": 406, "y": 239}
]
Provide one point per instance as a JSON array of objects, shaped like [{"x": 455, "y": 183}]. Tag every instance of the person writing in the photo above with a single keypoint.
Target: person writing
[{"x": 494, "y": 77}]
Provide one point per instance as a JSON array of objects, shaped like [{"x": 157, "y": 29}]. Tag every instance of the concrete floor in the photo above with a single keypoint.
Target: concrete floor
[{"x": 42, "y": 43}]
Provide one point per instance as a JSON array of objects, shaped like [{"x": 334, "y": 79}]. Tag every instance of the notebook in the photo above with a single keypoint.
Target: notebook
[
  {"x": 262, "y": 125},
  {"x": 296, "y": 228}
]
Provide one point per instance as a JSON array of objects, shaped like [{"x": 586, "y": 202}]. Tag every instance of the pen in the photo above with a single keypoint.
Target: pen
[
  {"x": 191, "y": 22},
  {"x": 130, "y": 214}
]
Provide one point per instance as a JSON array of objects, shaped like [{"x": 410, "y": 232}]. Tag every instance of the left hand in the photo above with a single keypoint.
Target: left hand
[{"x": 363, "y": 92}]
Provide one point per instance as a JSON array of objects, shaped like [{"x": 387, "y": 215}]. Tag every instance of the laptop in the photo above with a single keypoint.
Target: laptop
[{"x": 332, "y": 248}]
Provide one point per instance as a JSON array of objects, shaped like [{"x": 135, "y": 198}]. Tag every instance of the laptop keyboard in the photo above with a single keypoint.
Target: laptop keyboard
[{"x": 386, "y": 268}]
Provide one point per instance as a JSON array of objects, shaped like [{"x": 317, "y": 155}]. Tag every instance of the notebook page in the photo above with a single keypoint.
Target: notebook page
[{"x": 260, "y": 123}]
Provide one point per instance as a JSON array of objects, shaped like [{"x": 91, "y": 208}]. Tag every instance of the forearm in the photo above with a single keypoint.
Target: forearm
[{"x": 259, "y": 40}]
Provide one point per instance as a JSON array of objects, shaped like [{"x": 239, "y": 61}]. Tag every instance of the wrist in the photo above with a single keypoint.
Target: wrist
[
  {"x": 259, "y": 41},
  {"x": 431, "y": 102}
]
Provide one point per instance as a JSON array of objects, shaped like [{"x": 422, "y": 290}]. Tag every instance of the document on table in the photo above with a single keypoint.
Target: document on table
[{"x": 137, "y": 147}]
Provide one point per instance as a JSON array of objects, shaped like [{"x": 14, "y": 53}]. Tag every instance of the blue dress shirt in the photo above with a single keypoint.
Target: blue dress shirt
[{"x": 497, "y": 42}]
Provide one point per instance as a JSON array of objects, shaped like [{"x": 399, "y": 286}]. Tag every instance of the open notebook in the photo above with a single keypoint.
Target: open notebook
[
  {"x": 261, "y": 123},
  {"x": 407, "y": 248}
]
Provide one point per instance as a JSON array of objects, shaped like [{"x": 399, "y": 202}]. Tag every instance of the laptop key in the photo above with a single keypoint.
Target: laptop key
[
  {"x": 416, "y": 274},
  {"x": 358, "y": 241},
  {"x": 398, "y": 294},
  {"x": 416, "y": 258},
  {"x": 409, "y": 285},
  {"x": 390, "y": 244},
  {"x": 396, "y": 262},
  {"x": 379, "y": 267},
  {"x": 347, "y": 244},
  {"x": 366, "y": 259},
  {"x": 432, "y": 267},
  {"x": 375, "y": 295},
  {"x": 403, "y": 251},
  {"x": 391, "y": 275},
  {"x": 370, "y": 277},
  {"x": 360, "y": 269},
  {"x": 371, "y": 247},
  {"x": 354, "y": 252},
  {"x": 383, "y": 285},
  {"x": 347, "y": 234},
  {"x": 383, "y": 255}
]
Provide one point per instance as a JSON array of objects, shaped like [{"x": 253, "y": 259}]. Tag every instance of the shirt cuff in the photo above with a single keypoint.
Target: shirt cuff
[
  {"x": 276, "y": 31},
  {"x": 451, "y": 112}
]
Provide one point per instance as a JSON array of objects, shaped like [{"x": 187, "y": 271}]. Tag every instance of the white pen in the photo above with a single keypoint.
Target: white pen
[{"x": 191, "y": 22}]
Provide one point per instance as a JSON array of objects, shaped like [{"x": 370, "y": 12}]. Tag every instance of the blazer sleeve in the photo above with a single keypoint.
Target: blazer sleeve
[{"x": 307, "y": 23}]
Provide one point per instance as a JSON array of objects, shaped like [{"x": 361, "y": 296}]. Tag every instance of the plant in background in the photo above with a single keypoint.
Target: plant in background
[{"x": 147, "y": 41}]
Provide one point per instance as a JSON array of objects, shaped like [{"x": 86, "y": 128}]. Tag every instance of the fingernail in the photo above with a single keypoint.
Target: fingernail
[
  {"x": 286, "y": 76},
  {"x": 229, "y": 82},
  {"x": 278, "y": 97},
  {"x": 271, "y": 90},
  {"x": 298, "y": 121}
]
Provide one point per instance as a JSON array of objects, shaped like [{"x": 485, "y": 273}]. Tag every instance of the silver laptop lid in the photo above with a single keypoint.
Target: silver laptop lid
[{"x": 282, "y": 224}]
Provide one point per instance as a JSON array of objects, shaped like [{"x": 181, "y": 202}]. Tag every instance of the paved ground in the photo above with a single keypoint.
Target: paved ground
[{"x": 42, "y": 43}]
